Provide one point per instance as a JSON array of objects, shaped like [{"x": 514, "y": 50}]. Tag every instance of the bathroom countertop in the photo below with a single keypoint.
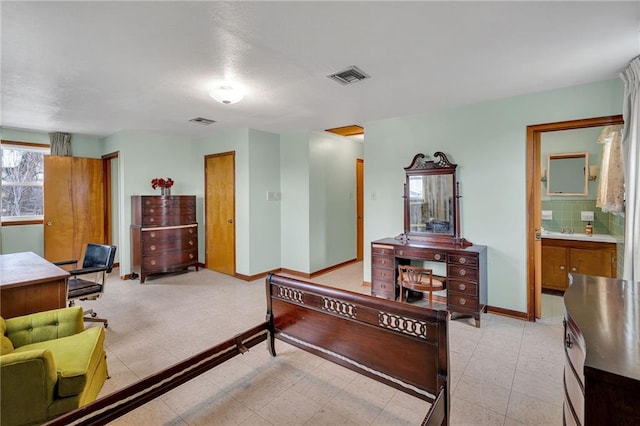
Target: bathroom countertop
[{"x": 599, "y": 238}]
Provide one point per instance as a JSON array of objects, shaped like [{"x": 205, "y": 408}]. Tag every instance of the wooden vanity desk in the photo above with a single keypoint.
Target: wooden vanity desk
[
  {"x": 466, "y": 268},
  {"x": 602, "y": 348},
  {"x": 432, "y": 233}
]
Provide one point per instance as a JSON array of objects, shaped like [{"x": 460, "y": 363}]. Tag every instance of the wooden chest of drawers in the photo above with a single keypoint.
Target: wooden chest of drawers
[
  {"x": 466, "y": 280},
  {"x": 164, "y": 234},
  {"x": 602, "y": 348}
]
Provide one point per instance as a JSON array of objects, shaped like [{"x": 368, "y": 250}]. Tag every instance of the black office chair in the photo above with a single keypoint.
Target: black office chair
[{"x": 98, "y": 259}]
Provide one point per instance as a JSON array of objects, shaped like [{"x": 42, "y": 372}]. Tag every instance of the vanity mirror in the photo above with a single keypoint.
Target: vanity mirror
[
  {"x": 431, "y": 208},
  {"x": 567, "y": 174}
]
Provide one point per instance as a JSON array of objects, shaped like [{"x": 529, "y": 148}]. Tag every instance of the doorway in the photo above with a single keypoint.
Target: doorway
[
  {"x": 359, "y": 208},
  {"x": 534, "y": 203},
  {"x": 220, "y": 230}
]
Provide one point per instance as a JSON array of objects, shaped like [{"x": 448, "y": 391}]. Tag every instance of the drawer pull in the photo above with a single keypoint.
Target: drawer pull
[
  {"x": 462, "y": 260},
  {"x": 190, "y": 242},
  {"x": 401, "y": 252},
  {"x": 463, "y": 301},
  {"x": 152, "y": 235},
  {"x": 462, "y": 272},
  {"x": 190, "y": 231},
  {"x": 462, "y": 287},
  {"x": 153, "y": 262},
  {"x": 147, "y": 202},
  {"x": 567, "y": 341},
  {"x": 562, "y": 267},
  {"x": 152, "y": 211},
  {"x": 190, "y": 255},
  {"x": 437, "y": 256},
  {"x": 151, "y": 219},
  {"x": 383, "y": 286},
  {"x": 152, "y": 248},
  {"x": 573, "y": 269}
]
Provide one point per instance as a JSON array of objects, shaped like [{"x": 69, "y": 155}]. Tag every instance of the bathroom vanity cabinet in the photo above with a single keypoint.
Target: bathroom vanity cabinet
[{"x": 561, "y": 257}]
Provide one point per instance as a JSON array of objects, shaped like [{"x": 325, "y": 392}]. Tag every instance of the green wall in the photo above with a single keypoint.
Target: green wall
[{"x": 488, "y": 142}]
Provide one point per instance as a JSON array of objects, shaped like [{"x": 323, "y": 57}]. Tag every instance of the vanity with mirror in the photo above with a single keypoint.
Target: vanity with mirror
[{"x": 432, "y": 233}]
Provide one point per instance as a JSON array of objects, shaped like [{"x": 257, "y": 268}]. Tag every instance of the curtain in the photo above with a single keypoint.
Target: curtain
[
  {"x": 611, "y": 185},
  {"x": 631, "y": 154},
  {"x": 60, "y": 144}
]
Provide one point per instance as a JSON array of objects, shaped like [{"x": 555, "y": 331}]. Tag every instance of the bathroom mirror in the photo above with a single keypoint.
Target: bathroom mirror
[
  {"x": 431, "y": 209},
  {"x": 567, "y": 174}
]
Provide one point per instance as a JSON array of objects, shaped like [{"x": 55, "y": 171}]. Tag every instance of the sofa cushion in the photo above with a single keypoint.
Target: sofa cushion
[
  {"x": 75, "y": 356},
  {"x": 5, "y": 343}
]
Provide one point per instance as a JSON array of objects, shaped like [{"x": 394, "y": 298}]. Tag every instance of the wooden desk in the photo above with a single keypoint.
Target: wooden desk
[
  {"x": 466, "y": 271},
  {"x": 29, "y": 283},
  {"x": 602, "y": 348}
]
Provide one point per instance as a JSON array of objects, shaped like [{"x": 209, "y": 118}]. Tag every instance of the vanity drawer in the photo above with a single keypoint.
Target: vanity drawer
[
  {"x": 422, "y": 254},
  {"x": 383, "y": 289},
  {"x": 383, "y": 262},
  {"x": 382, "y": 250},
  {"x": 383, "y": 274},
  {"x": 462, "y": 287},
  {"x": 463, "y": 272},
  {"x": 462, "y": 301},
  {"x": 467, "y": 260}
]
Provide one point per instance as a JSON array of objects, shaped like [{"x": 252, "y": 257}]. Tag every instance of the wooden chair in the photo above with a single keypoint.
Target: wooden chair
[{"x": 418, "y": 279}]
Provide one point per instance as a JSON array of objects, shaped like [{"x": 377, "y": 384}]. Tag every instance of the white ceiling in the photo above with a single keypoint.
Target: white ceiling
[{"x": 97, "y": 68}]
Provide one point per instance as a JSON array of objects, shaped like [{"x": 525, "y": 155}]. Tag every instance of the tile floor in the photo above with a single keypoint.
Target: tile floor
[{"x": 509, "y": 372}]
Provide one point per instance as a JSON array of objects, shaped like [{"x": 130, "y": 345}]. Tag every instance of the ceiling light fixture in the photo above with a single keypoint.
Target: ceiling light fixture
[{"x": 227, "y": 94}]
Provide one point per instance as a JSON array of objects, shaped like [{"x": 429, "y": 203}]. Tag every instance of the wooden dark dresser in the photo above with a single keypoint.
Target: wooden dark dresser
[
  {"x": 164, "y": 234},
  {"x": 602, "y": 347},
  {"x": 466, "y": 268}
]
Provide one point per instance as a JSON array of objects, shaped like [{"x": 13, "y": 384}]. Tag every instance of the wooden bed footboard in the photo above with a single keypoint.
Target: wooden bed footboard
[{"x": 403, "y": 346}]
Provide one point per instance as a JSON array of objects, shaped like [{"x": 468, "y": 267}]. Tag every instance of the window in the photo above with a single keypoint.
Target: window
[{"x": 22, "y": 179}]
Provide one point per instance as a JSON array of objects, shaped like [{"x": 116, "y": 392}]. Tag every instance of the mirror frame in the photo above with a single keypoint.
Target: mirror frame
[
  {"x": 420, "y": 166},
  {"x": 585, "y": 178}
]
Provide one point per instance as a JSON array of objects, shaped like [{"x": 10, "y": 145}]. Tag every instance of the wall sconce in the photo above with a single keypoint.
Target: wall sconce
[
  {"x": 593, "y": 172},
  {"x": 544, "y": 175}
]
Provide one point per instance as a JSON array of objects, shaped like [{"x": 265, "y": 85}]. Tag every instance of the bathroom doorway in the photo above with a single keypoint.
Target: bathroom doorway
[{"x": 535, "y": 133}]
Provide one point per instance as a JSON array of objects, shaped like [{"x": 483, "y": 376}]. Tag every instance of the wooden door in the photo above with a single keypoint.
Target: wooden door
[
  {"x": 74, "y": 205},
  {"x": 554, "y": 268},
  {"x": 220, "y": 230},
  {"x": 359, "y": 208},
  {"x": 592, "y": 262}
]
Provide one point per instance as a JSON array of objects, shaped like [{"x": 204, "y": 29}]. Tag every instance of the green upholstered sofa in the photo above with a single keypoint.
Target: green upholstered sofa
[{"x": 49, "y": 364}]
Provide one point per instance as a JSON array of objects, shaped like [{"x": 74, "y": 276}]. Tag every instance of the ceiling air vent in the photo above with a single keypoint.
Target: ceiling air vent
[
  {"x": 350, "y": 75},
  {"x": 203, "y": 121}
]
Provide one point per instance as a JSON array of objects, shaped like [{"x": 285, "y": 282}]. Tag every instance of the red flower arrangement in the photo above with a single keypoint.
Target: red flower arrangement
[{"x": 161, "y": 183}]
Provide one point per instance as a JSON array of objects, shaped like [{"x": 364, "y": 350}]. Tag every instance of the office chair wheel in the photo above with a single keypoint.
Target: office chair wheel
[{"x": 93, "y": 314}]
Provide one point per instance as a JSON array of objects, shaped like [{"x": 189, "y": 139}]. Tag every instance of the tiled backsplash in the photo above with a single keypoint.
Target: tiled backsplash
[{"x": 566, "y": 215}]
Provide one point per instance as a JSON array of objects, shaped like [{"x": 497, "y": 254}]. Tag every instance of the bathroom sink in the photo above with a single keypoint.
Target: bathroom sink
[{"x": 601, "y": 238}]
